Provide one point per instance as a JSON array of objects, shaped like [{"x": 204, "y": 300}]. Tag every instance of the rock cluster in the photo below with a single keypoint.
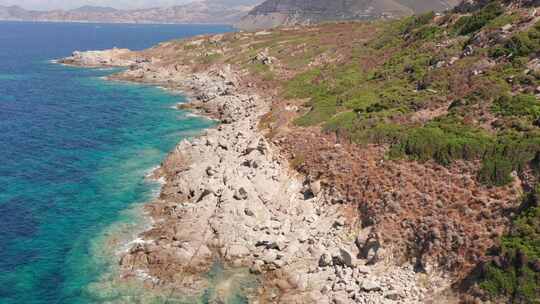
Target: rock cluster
[{"x": 105, "y": 58}]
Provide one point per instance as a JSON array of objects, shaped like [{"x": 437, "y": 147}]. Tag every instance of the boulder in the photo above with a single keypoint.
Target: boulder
[
  {"x": 467, "y": 51},
  {"x": 269, "y": 256},
  {"x": 340, "y": 222},
  {"x": 210, "y": 171},
  {"x": 370, "y": 285},
  {"x": 393, "y": 295},
  {"x": 341, "y": 298},
  {"x": 248, "y": 212},
  {"x": 240, "y": 194},
  {"x": 325, "y": 260},
  {"x": 343, "y": 258},
  {"x": 302, "y": 236},
  {"x": 315, "y": 187}
]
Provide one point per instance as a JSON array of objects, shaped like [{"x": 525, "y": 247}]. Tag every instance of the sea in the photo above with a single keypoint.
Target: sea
[{"x": 74, "y": 152}]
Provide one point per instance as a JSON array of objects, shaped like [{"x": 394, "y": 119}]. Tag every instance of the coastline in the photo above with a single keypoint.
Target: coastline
[
  {"x": 232, "y": 184},
  {"x": 109, "y": 22}
]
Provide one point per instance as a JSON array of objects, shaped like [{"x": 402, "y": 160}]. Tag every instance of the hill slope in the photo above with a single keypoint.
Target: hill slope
[
  {"x": 272, "y": 13},
  {"x": 426, "y": 128}
]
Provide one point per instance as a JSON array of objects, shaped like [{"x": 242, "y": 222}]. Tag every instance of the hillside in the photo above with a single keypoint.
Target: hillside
[
  {"x": 417, "y": 143},
  {"x": 273, "y": 13},
  {"x": 427, "y": 126},
  {"x": 213, "y": 11}
]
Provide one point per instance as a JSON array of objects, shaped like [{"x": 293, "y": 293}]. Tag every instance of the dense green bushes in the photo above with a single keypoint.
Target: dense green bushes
[
  {"x": 470, "y": 24},
  {"x": 515, "y": 274},
  {"x": 428, "y": 33},
  {"x": 519, "y": 45},
  {"x": 512, "y": 151},
  {"x": 519, "y": 105},
  {"x": 444, "y": 141}
]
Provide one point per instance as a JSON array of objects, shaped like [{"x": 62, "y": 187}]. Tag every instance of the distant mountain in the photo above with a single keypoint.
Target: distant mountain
[
  {"x": 209, "y": 11},
  {"x": 273, "y": 13},
  {"x": 88, "y": 9}
]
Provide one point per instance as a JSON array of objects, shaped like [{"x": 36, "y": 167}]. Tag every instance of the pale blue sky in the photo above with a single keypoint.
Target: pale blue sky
[{"x": 68, "y": 4}]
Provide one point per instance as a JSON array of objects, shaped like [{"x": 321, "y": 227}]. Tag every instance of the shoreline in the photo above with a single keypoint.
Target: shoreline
[
  {"x": 233, "y": 185},
  {"x": 108, "y": 23}
]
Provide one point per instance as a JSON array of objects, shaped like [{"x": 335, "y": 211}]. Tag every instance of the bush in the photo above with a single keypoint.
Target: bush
[
  {"x": 519, "y": 105},
  {"x": 503, "y": 20},
  {"x": 304, "y": 85},
  {"x": 444, "y": 141},
  {"x": 496, "y": 171},
  {"x": 524, "y": 43},
  {"x": 414, "y": 22},
  {"x": 470, "y": 24},
  {"x": 381, "y": 133},
  {"x": 428, "y": 33},
  {"x": 520, "y": 44},
  {"x": 362, "y": 100},
  {"x": 512, "y": 152},
  {"x": 515, "y": 278}
]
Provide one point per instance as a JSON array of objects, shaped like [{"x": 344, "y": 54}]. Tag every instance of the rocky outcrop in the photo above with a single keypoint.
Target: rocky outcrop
[
  {"x": 113, "y": 57},
  {"x": 274, "y": 13}
]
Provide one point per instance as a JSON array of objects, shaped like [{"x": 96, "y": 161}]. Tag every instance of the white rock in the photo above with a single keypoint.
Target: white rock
[{"x": 370, "y": 285}]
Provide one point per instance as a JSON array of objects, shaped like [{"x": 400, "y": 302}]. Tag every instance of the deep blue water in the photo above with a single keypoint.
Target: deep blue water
[{"x": 73, "y": 153}]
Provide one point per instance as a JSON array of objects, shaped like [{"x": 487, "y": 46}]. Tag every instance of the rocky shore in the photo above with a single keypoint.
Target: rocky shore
[{"x": 230, "y": 196}]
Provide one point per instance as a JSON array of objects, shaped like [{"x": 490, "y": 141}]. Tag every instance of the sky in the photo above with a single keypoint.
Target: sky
[{"x": 69, "y": 4}]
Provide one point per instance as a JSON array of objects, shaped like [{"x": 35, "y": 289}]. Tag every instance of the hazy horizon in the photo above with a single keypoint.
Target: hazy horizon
[{"x": 71, "y": 4}]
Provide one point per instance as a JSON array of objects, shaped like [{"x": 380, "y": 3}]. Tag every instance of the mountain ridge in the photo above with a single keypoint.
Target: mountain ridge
[
  {"x": 272, "y": 13},
  {"x": 209, "y": 12},
  {"x": 244, "y": 14}
]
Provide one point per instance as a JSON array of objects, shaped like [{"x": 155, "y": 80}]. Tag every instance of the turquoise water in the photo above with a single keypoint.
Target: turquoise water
[{"x": 74, "y": 152}]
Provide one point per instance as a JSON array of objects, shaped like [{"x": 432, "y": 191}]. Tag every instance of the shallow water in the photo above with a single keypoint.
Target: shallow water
[{"x": 75, "y": 149}]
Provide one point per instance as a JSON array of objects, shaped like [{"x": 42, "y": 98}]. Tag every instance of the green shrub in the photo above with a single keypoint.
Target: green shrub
[
  {"x": 496, "y": 171},
  {"x": 304, "y": 85},
  {"x": 470, "y": 24},
  {"x": 344, "y": 121},
  {"x": 444, "y": 141},
  {"x": 519, "y": 105},
  {"x": 324, "y": 107},
  {"x": 415, "y": 22},
  {"x": 391, "y": 35},
  {"x": 515, "y": 280},
  {"x": 524, "y": 43},
  {"x": 519, "y": 45},
  {"x": 503, "y": 20},
  {"x": 381, "y": 133},
  {"x": 511, "y": 152},
  {"x": 362, "y": 100},
  {"x": 428, "y": 33}
]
